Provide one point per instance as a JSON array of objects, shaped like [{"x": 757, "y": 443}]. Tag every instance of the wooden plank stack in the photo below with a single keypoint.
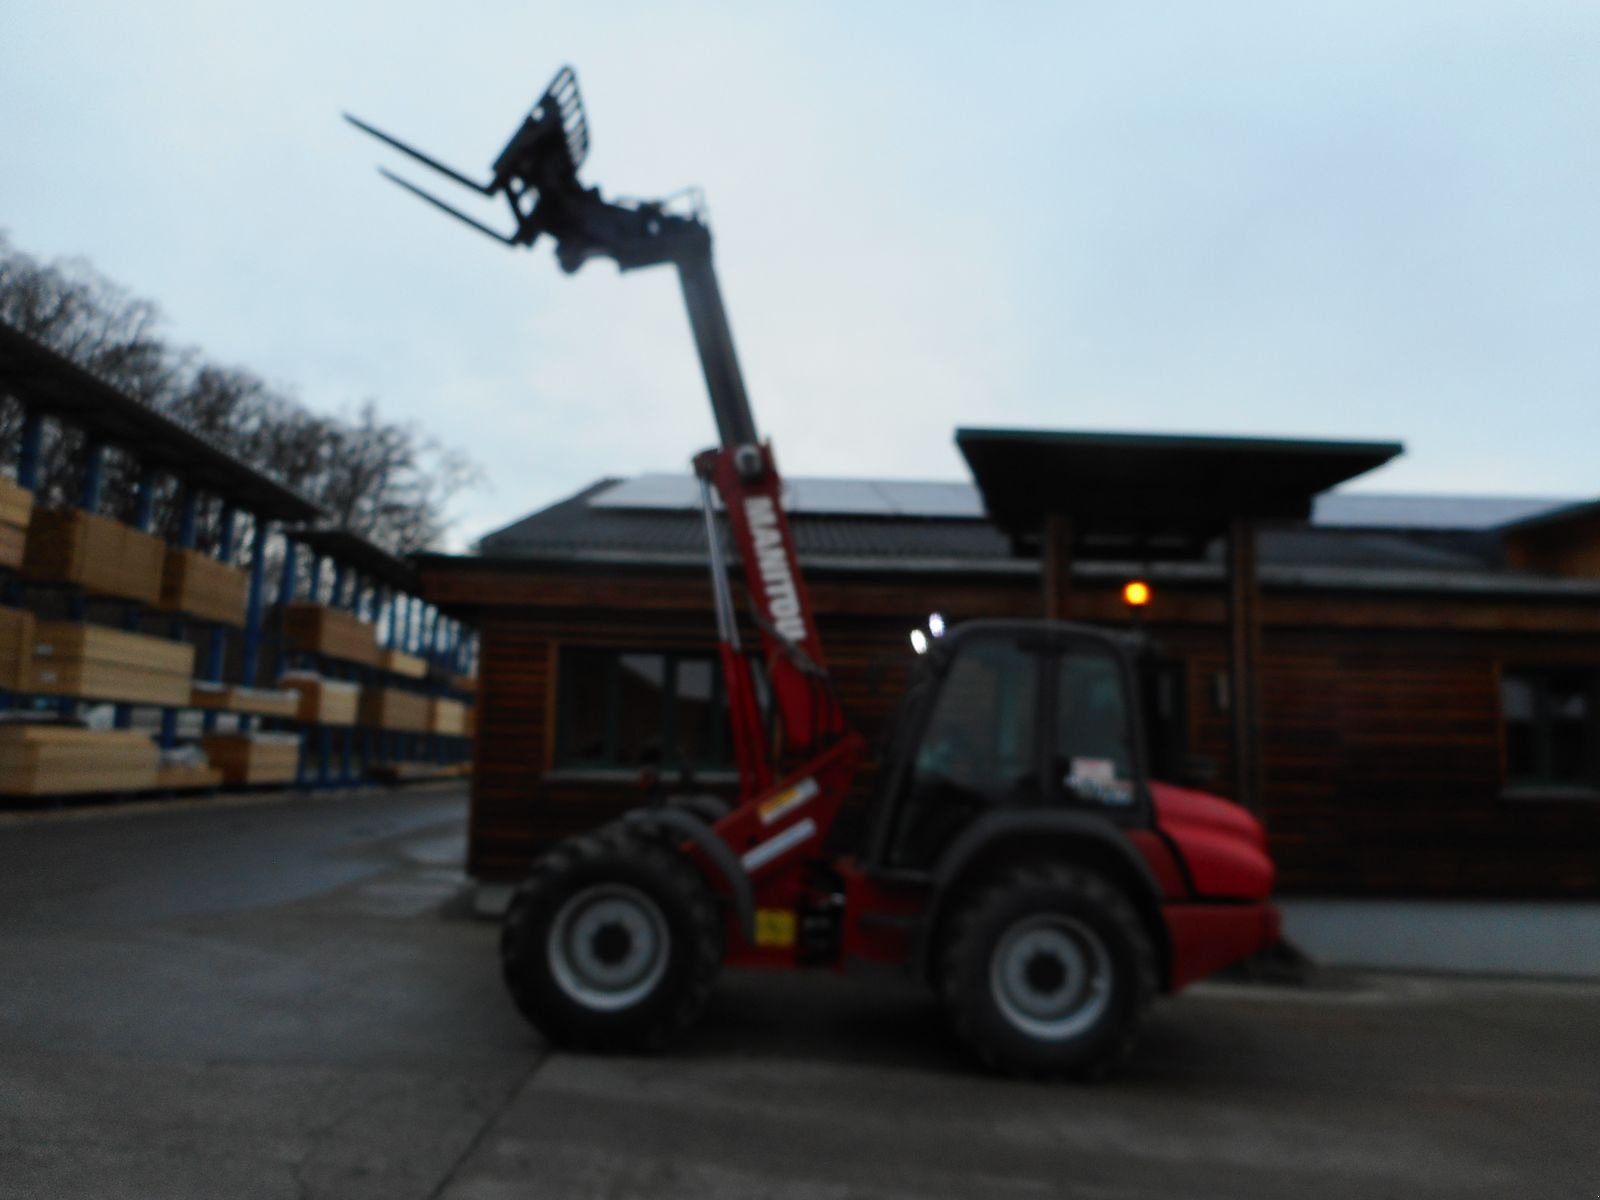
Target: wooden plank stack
[
  {"x": 319, "y": 629},
  {"x": 447, "y": 717},
  {"x": 412, "y": 772},
  {"x": 232, "y": 697},
  {"x": 99, "y": 663},
  {"x": 464, "y": 683},
  {"x": 16, "y": 647},
  {"x": 247, "y": 759},
  {"x": 392, "y": 708},
  {"x": 199, "y": 585},
  {"x": 61, "y": 760},
  {"x": 398, "y": 662},
  {"x": 323, "y": 701},
  {"x": 96, "y": 553},
  {"x": 186, "y": 777},
  {"x": 16, "y": 508}
]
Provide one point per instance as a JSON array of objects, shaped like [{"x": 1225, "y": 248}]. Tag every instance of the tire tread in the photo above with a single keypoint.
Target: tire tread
[
  {"x": 522, "y": 951},
  {"x": 963, "y": 951}
]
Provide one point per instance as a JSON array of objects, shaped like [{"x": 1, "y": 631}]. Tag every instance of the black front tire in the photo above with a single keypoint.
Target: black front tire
[
  {"x": 1046, "y": 971},
  {"x": 612, "y": 943}
]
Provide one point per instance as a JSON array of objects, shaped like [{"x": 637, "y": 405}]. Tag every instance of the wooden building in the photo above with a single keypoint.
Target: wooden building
[{"x": 1428, "y": 675}]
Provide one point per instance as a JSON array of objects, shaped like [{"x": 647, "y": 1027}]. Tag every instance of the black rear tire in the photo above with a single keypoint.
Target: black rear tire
[
  {"x": 708, "y": 808},
  {"x": 1047, "y": 971},
  {"x": 612, "y": 943}
]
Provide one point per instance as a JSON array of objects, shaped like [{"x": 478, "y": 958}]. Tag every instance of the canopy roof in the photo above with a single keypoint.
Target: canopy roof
[{"x": 1152, "y": 495}]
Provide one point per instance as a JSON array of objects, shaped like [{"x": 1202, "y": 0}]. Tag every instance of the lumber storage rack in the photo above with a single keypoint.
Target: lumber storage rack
[{"x": 142, "y": 650}]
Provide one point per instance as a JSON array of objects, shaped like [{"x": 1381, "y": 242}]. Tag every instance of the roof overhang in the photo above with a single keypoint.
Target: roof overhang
[
  {"x": 1554, "y": 520},
  {"x": 1152, "y": 495},
  {"x": 355, "y": 551}
]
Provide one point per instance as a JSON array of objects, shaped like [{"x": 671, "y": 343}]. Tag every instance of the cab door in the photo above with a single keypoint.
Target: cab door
[
  {"x": 1092, "y": 720},
  {"x": 974, "y": 747}
]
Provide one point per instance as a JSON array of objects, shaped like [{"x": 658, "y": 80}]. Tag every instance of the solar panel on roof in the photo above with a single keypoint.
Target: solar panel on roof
[
  {"x": 654, "y": 489},
  {"x": 840, "y": 497},
  {"x": 954, "y": 500},
  {"x": 923, "y": 498},
  {"x": 661, "y": 491},
  {"x": 1360, "y": 510}
]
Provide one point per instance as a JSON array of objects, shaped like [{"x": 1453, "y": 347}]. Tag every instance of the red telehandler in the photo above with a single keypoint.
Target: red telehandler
[{"x": 1018, "y": 858}]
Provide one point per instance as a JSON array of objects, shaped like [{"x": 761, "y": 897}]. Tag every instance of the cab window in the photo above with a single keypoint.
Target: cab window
[{"x": 1094, "y": 736}]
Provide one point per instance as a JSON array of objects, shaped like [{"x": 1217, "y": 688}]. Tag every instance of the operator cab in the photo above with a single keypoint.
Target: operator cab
[{"x": 1008, "y": 715}]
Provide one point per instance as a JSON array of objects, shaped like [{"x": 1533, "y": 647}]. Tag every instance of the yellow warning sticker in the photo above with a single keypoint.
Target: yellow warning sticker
[
  {"x": 774, "y": 927},
  {"x": 787, "y": 800}
]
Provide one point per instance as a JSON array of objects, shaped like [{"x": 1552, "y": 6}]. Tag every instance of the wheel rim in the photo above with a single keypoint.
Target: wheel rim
[
  {"x": 608, "y": 946},
  {"x": 1051, "y": 976}
]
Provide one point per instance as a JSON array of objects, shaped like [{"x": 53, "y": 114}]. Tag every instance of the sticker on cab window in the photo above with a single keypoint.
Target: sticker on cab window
[{"x": 1095, "y": 780}]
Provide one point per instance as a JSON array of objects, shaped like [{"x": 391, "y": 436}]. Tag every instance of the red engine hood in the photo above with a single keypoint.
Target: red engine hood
[{"x": 1224, "y": 847}]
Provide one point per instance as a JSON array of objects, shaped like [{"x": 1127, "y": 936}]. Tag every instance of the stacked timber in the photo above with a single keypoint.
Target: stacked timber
[
  {"x": 322, "y": 701},
  {"x": 199, "y": 585},
  {"x": 246, "y": 759},
  {"x": 464, "y": 683},
  {"x": 16, "y": 647},
  {"x": 98, "y": 663},
  {"x": 61, "y": 760},
  {"x": 413, "y": 772},
  {"x": 95, "y": 553},
  {"x": 186, "y": 768},
  {"x": 392, "y": 708},
  {"x": 232, "y": 697},
  {"x": 187, "y": 777},
  {"x": 448, "y": 717},
  {"x": 398, "y": 662},
  {"x": 16, "y": 508},
  {"x": 318, "y": 629}
]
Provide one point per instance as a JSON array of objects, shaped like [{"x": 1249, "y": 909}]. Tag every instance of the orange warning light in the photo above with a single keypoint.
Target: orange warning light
[{"x": 1136, "y": 593}]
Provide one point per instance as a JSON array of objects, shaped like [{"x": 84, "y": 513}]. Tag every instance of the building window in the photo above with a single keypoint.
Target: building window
[
  {"x": 1164, "y": 695},
  {"x": 1550, "y": 726},
  {"x": 637, "y": 709}
]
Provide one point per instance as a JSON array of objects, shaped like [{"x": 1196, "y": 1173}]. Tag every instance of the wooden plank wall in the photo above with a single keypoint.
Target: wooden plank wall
[
  {"x": 1385, "y": 770},
  {"x": 1382, "y": 763},
  {"x": 1569, "y": 546}
]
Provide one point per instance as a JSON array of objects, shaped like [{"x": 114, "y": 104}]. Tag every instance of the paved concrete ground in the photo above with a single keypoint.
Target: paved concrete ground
[{"x": 284, "y": 1000}]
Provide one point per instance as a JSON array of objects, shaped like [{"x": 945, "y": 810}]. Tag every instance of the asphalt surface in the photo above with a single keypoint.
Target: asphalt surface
[{"x": 288, "y": 999}]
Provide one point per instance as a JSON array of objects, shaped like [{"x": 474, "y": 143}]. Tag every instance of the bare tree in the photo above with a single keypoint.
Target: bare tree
[{"x": 384, "y": 480}]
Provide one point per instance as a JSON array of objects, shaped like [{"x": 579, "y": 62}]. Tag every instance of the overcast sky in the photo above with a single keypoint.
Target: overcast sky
[{"x": 1363, "y": 220}]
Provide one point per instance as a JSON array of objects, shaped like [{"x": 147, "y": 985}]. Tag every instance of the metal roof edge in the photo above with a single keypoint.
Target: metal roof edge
[
  {"x": 666, "y": 558},
  {"x": 1555, "y": 516},
  {"x": 1363, "y": 579}
]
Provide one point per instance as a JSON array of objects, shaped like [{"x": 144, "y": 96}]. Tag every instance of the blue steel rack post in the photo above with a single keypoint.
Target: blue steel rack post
[
  {"x": 451, "y": 649},
  {"x": 399, "y": 732}
]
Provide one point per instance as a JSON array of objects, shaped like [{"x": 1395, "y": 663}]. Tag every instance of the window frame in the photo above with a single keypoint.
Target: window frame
[
  {"x": 1544, "y": 784},
  {"x": 721, "y": 763}
]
